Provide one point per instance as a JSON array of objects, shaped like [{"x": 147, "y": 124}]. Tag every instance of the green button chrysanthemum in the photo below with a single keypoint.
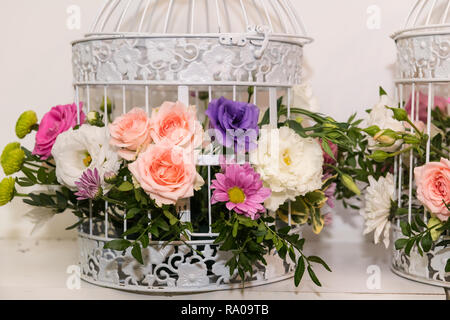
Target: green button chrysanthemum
[
  {"x": 7, "y": 190},
  {"x": 25, "y": 123},
  {"x": 12, "y": 158}
]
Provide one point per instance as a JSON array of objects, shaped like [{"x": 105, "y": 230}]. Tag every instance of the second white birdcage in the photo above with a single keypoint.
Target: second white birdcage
[
  {"x": 140, "y": 53},
  {"x": 423, "y": 82}
]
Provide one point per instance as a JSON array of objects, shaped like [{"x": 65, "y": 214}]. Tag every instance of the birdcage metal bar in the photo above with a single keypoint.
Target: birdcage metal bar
[
  {"x": 99, "y": 15},
  {"x": 244, "y": 12},
  {"x": 431, "y": 12},
  {"x": 122, "y": 17},
  {"x": 169, "y": 12},
  {"x": 266, "y": 12},
  {"x": 144, "y": 15},
  {"x": 110, "y": 12},
  {"x": 445, "y": 15}
]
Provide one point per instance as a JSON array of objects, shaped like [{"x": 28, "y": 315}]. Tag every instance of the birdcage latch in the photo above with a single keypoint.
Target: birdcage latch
[{"x": 242, "y": 40}]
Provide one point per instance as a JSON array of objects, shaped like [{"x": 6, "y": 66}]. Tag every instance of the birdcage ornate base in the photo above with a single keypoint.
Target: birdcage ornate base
[
  {"x": 428, "y": 269},
  {"x": 175, "y": 268}
]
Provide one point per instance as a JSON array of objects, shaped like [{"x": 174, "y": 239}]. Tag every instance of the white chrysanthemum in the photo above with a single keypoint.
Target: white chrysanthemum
[
  {"x": 289, "y": 165},
  {"x": 77, "y": 150},
  {"x": 378, "y": 206},
  {"x": 383, "y": 118},
  {"x": 303, "y": 98}
]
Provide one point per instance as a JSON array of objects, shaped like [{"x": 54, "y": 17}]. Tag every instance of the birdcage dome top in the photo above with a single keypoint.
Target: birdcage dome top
[
  {"x": 192, "y": 18},
  {"x": 427, "y": 17}
]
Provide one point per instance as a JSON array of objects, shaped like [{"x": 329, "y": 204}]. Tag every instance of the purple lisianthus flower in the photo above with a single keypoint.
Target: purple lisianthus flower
[
  {"x": 236, "y": 123},
  {"x": 89, "y": 185}
]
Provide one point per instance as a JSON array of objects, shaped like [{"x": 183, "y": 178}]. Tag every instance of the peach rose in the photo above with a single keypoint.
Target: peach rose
[
  {"x": 166, "y": 173},
  {"x": 131, "y": 133},
  {"x": 176, "y": 124},
  {"x": 433, "y": 187}
]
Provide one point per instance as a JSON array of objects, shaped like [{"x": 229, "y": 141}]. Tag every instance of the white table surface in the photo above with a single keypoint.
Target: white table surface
[{"x": 38, "y": 270}]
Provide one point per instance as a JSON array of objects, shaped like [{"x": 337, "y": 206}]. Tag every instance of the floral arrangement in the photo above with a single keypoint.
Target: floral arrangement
[
  {"x": 393, "y": 136},
  {"x": 139, "y": 166}
]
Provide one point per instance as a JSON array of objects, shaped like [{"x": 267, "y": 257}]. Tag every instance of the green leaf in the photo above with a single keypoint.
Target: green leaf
[
  {"x": 409, "y": 246},
  {"x": 161, "y": 224},
  {"x": 427, "y": 242},
  {"x": 126, "y": 186},
  {"x": 75, "y": 225},
  {"x": 235, "y": 229},
  {"x": 42, "y": 175},
  {"x": 137, "y": 253},
  {"x": 419, "y": 221},
  {"x": 447, "y": 266},
  {"x": 320, "y": 261},
  {"x": 314, "y": 277},
  {"x": 132, "y": 230},
  {"x": 132, "y": 213},
  {"x": 382, "y": 92},
  {"x": 145, "y": 240},
  {"x": 299, "y": 271},
  {"x": 172, "y": 219},
  {"x": 29, "y": 174},
  {"x": 118, "y": 245},
  {"x": 406, "y": 229},
  {"x": 401, "y": 243},
  {"x": 326, "y": 147}
]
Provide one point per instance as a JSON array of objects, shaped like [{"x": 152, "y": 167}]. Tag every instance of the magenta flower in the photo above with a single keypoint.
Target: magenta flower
[
  {"x": 89, "y": 185},
  {"x": 439, "y": 102},
  {"x": 242, "y": 190},
  {"x": 58, "y": 120}
]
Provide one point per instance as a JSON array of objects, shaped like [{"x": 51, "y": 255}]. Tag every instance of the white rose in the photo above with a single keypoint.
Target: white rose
[
  {"x": 289, "y": 165},
  {"x": 382, "y": 117},
  {"x": 378, "y": 207},
  {"x": 77, "y": 150},
  {"x": 303, "y": 98}
]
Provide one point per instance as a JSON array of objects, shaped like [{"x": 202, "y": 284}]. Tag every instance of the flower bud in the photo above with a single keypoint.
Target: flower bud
[
  {"x": 110, "y": 177},
  {"x": 379, "y": 156},
  {"x": 348, "y": 182},
  {"x": 387, "y": 137},
  {"x": 400, "y": 114},
  {"x": 410, "y": 139},
  {"x": 26, "y": 123},
  {"x": 109, "y": 105}
]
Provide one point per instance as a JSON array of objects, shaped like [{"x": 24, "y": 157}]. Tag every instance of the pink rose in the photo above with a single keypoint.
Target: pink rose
[
  {"x": 439, "y": 102},
  {"x": 58, "y": 120},
  {"x": 176, "y": 124},
  {"x": 131, "y": 133},
  {"x": 433, "y": 187},
  {"x": 166, "y": 173}
]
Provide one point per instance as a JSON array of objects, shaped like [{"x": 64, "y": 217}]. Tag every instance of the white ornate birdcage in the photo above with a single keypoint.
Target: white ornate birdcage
[
  {"x": 140, "y": 53},
  {"x": 423, "y": 82}
]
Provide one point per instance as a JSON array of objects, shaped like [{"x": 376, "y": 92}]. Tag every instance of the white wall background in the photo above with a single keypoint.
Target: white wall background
[{"x": 346, "y": 64}]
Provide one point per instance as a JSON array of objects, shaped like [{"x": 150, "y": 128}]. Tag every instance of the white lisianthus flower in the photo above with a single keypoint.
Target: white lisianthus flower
[
  {"x": 75, "y": 151},
  {"x": 383, "y": 117},
  {"x": 378, "y": 207},
  {"x": 303, "y": 98},
  {"x": 289, "y": 165}
]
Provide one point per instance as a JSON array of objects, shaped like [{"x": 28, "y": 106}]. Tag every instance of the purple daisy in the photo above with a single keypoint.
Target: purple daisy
[
  {"x": 242, "y": 190},
  {"x": 89, "y": 185}
]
